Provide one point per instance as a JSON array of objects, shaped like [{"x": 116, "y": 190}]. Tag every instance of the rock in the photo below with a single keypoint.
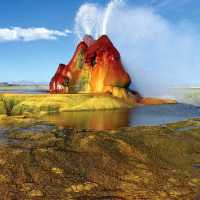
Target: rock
[
  {"x": 89, "y": 40},
  {"x": 36, "y": 193},
  {"x": 172, "y": 180},
  {"x": 162, "y": 194},
  {"x": 155, "y": 101},
  {"x": 57, "y": 170},
  {"x": 81, "y": 187},
  {"x": 174, "y": 193},
  {"x": 3, "y": 179},
  {"x": 2, "y": 162},
  {"x": 26, "y": 187}
]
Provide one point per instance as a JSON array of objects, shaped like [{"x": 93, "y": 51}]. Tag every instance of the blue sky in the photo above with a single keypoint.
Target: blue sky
[{"x": 36, "y": 57}]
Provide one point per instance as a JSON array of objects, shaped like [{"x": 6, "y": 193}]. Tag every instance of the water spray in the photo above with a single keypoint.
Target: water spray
[
  {"x": 108, "y": 11},
  {"x": 91, "y": 20}
]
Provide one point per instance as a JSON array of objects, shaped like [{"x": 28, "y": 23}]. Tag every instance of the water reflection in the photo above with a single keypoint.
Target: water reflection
[
  {"x": 100, "y": 120},
  {"x": 114, "y": 119}
]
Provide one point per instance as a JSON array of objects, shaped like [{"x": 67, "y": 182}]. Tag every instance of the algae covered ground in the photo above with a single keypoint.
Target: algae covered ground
[
  {"x": 19, "y": 104},
  {"x": 39, "y": 160}
]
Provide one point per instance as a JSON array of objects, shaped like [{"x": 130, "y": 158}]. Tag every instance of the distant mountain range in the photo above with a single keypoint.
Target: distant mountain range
[{"x": 23, "y": 83}]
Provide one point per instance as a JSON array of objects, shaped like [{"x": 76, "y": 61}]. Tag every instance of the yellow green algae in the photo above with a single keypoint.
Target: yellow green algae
[
  {"x": 40, "y": 160},
  {"x": 18, "y": 104}
]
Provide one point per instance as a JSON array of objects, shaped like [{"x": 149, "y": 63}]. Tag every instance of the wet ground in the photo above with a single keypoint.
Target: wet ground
[{"x": 39, "y": 160}]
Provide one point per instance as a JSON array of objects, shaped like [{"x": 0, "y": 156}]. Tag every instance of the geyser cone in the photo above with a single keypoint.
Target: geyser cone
[
  {"x": 89, "y": 40},
  {"x": 95, "y": 68}
]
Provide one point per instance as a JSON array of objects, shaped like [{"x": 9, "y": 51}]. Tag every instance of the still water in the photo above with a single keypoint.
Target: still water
[{"x": 113, "y": 119}]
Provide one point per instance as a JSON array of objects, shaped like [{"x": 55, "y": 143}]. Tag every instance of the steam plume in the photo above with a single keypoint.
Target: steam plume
[
  {"x": 92, "y": 19},
  {"x": 87, "y": 20}
]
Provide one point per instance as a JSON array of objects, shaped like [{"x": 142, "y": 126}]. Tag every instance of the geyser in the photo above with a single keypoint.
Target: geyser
[
  {"x": 159, "y": 54},
  {"x": 93, "y": 20},
  {"x": 94, "y": 68},
  {"x": 89, "y": 40}
]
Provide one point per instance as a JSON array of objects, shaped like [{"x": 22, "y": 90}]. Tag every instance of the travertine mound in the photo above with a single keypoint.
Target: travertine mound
[{"x": 94, "y": 68}]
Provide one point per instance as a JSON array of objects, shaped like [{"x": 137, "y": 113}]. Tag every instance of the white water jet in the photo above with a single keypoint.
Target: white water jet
[
  {"x": 87, "y": 20},
  {"x": 108, "y": 11},
  {"x": 93, "y": 20}
]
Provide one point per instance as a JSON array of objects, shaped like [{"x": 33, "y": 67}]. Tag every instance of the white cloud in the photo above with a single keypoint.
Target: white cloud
[
  {"x": 30, "y": 34},
  {"x": 160, "y": 4}
]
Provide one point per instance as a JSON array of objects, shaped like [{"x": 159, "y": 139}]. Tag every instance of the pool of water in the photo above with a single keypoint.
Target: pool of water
[
  {"x": 113, "y": 119},
  {"x": 2, "y": 135}
]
